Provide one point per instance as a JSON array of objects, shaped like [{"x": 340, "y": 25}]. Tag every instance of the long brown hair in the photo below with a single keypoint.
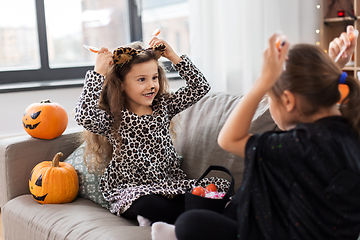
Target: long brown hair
[
  {"x": 112, "y": 99},
  {"x": 314, "y": 77}
]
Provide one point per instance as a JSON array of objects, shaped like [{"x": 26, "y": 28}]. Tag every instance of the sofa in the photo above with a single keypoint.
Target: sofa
[{"x": 196, "y": 131}]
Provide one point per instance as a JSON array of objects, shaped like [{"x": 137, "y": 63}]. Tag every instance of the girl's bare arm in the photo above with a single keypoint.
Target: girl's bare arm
[{"x": 235, "y": 132}]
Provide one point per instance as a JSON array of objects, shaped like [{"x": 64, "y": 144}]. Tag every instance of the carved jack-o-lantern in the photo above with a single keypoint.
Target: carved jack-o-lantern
[
  {"x": 45, "y": 120},
  {"x": 54, "y": 181}
]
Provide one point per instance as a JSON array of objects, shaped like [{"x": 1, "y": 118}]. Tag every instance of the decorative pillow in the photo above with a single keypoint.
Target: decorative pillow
[{"x": 88, "y": 183}]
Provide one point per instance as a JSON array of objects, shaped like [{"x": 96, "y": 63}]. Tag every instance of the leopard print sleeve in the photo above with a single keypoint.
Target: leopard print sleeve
[
  {"x": 87, "y": 113},
  {"x": 196, "y": 87}
]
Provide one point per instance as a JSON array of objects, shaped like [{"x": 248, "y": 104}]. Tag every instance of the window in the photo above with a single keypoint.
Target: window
[
  {"x": 90, "y": 22},
  {"x": 18, "y": 36},
  {"x": 43, "y": 40},
  {"x": 172, "y": 17}
]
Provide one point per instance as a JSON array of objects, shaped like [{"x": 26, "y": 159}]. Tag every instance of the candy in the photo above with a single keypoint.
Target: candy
[
  {"x": 199, "y": 191},
  {"x": 211, "y": 187},
  {"x": 91, "y": 49},
  {"x": 208, "y": 192},
  {"x": 280, "y": 42},
  {"x": 156, "y": 32}
]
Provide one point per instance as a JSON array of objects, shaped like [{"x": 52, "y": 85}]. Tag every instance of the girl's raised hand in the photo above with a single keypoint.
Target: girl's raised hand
[
  {"x": 104, "y": 59},
  {"x": 346, "y": 39},
  {"x": 169, "y": 52},
  {"x": 273, "y": 63}
]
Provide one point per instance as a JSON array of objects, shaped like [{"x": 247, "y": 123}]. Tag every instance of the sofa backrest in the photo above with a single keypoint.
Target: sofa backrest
[{"x": 197, "y": 129}]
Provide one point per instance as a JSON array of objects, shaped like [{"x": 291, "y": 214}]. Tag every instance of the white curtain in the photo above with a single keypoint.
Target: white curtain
[{"x": 228, "y": 37}]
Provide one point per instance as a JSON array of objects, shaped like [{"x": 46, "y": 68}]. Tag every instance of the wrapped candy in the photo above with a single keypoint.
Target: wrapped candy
[
  {"x": 210, "y": 191},
  {"x": 215, "y": 195}
]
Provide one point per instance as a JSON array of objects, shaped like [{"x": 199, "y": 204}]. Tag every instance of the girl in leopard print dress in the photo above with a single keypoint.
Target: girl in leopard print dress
[{"x": 125, "y": 99}]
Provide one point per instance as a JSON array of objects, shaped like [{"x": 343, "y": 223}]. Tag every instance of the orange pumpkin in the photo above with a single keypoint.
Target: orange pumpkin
[
  {"x": 45, "y": 120},
  {"x": 54, "y": 181}
]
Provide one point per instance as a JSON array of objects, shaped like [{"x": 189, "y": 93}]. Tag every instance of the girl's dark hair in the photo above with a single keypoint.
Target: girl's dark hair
[
  {"x": 98, "y": 151},
  {"x": 313, "y": 76}
]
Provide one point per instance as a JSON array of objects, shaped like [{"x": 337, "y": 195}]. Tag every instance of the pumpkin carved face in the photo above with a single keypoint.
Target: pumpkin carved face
[
  {"x": 45, "y": 120},
  {"x": 54, "y": 182}
]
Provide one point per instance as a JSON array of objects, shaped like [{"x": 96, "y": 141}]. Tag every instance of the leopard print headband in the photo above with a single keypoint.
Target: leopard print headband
[{"x": 124, "y": 55}]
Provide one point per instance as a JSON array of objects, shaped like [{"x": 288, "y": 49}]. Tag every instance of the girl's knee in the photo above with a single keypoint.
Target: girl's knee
[
  {"x": 191, "y": 224},
  {"x": 205, "y": 224}
]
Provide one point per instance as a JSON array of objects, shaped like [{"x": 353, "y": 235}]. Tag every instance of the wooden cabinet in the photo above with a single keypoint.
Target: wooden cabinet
[{"x": 332, "y": 24}]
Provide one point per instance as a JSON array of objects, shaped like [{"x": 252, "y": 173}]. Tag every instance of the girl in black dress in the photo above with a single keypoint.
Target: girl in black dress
[{"x": 302, "y": 182}]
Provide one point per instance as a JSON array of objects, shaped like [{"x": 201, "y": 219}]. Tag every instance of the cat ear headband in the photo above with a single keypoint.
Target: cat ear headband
[{"x": 124, "y": 55}]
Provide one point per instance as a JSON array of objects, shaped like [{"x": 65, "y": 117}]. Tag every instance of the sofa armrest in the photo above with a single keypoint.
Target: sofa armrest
[{"x": 19, "y": 155}]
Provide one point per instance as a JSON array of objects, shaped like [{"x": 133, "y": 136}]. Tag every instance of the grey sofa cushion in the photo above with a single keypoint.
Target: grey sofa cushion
[
  {"x": 80, "y": 219},
  {"x": 197, "y": 129}
]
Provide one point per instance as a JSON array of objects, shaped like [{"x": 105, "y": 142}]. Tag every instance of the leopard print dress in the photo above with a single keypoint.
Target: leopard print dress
[{"x": 146, "y": 161}]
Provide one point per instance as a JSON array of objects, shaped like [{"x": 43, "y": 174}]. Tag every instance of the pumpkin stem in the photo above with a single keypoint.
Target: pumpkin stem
[
  {"x": 46, "y": 101},
  {"x": 56, "y": 159}
]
